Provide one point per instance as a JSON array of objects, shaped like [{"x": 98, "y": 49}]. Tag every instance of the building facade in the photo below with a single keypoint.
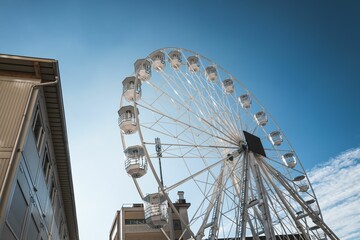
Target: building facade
[
  {"x": 130, "y": 223},
  {"x": 36, "y": 190}
]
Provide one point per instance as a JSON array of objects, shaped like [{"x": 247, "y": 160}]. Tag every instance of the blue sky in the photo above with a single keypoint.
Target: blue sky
[{"x": 301, "y": 59}]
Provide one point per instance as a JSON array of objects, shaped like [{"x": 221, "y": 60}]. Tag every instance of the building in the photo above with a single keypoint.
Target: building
[
  {"x": 130, "y": 223},
  {"x": 36, "y": 190}
]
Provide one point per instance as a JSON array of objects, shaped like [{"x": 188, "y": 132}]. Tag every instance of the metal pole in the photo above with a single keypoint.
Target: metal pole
[{"x": 159, "y": 154}]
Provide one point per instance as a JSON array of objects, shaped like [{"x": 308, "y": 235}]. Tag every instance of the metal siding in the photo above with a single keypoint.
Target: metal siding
[
  {"x": 4, "y": 162},
  {"x": 13, "y": 99}
]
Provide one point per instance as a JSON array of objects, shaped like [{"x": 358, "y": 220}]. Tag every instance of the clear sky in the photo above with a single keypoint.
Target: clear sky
[{"x": 301, "y": 59}]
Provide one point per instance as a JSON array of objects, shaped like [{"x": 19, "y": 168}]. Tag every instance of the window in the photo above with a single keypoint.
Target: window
[
  {"x": 177, "y": 224},
  {"x": 33, "y": 230},
  {"x": 52, "y": 191},
  {"x": 134, "y": 221},
  {"x": 38, "y": 129},
  {"x": 18, "y": 211},
  {"x": 46, "y": 166}
]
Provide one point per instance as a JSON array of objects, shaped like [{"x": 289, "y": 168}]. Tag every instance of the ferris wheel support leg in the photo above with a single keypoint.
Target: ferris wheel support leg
[
  {"x": 315, "y": 218},
  {"x": 200, "y": 234},
  {"x": 264, "y": 207},
  {"x": 236, "y": 184},
  {"x": 287, "y": 206},
  {"x": 244, "y": 196},
  {"x": 215, "y": 220},
  {"x": 163, "y": 231}
]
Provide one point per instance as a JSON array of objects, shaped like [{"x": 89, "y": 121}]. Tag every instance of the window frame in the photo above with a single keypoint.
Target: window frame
[
  {"x": 38, "y": 128},
  {"x": 46, "y": 165}
]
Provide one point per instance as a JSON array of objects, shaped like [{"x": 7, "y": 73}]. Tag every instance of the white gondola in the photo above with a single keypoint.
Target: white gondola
[
  {"x": 289, "y": 159},
  {"x": 300, "y": 214},
  {"x": 175, "y": 59},
  {"x": 313, "y": 228},
  {"x": 313, "y": 205},
  {"x": 245, "y": 101},
  {"x": 211, "y": 73},
  {"x": 193, "y": 64},
  {"x": 275, "y": 138},
  {"x": 130, "y": 91},
  {"x": 301, "y": 183},
  {"x": 228, "y": 85},
  {"x": 261, "y": 118},
  {"x": 143, "y": 69},
  {"x": 135, "y": 162},
  {"x": 127, "y": 121},
  {"x": 317, "y": 233},
  {"x": 155, "y": 208},
  {"x": 158, "y": 60}
]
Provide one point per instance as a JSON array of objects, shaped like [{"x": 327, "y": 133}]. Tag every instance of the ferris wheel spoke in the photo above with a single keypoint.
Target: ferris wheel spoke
[
  {"x": 193, "y": 176},
  {"x": 232, "y": 109},
  {"x": 192, "y": 145},
  {"x": 188, "y": 124},
  {"x": 207, "y": 106},
  {"x": 188, "y": 149},
  {"x": 203, "y": 97},
  {"x": 221, "y": 111}
]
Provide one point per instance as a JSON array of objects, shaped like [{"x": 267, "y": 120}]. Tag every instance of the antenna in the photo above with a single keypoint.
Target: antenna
[{"x": 159, "y": 154}]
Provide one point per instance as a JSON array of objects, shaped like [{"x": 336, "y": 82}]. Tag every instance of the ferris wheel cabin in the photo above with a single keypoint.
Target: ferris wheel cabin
[
  {"x": 155, "y": 207},
  {"x": 301, "y": 183},
  {"x": 289, "y": 160},
  {"x": 275, "y": 138},
  {"x": 317, "y": 233},
  {"x": 193, "y": 64},
  {"x": 135, "y": 162},
  {"x": 127, "y": 121},
  {"x": 228, "y": 85},
  {"x": 313, "y": 205},
  {"x": 261, "y": 118},
  {"x": 211, "y": 73},
  {"x": 245, "y": 101},
  {"x": 130, "y": 91},
  {"x": 158, "y": 60},
  {"x": 175, "y": 59},
  {"x": 143, "y": 69}
]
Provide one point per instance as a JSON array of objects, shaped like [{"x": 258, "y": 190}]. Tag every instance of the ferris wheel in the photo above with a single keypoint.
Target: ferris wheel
[{"x": 188, "y": 127}]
